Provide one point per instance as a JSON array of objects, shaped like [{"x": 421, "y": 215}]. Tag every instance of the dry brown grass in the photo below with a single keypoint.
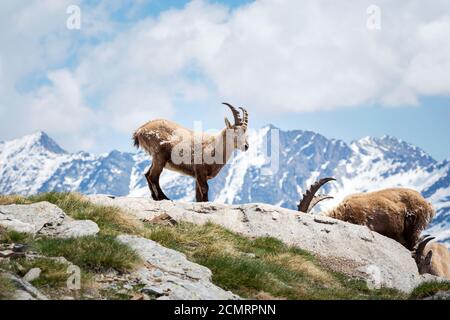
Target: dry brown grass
[
  {"x": 299, "y": 264},
  {"x": 12, "y": 199}
]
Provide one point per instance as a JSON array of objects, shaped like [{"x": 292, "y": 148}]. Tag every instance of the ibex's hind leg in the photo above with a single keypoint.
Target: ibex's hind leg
[
  {"x": 150, "y": 184},
  {"x": 152, "y": 177}
]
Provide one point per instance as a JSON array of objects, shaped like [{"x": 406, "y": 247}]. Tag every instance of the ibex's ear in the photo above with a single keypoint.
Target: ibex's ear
[
  {"x": 228, "y": 124},
  {"x": 428, "y": 258}
]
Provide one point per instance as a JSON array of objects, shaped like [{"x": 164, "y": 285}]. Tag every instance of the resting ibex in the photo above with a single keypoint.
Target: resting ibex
[
  {"x": 432, "y": 258},
  {"x": 398, "y": 213},
  {"x": 198, "y": 155}
]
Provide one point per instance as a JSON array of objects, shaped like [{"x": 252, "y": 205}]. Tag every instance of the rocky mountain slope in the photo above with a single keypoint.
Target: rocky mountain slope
[
  {"x": 104, "y": 252},
  {"x": 355, "y": 250},
  {"x": 35, "y": 163},
  {"x": 165, "y": 274}
]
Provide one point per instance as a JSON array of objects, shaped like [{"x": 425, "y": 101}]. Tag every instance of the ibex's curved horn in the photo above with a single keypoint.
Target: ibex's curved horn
[
  {"x": 422, "y": 243},
  {"x": 316, "y": 200},
  {"x": 236, "y": 115},
  {"x": 307, "y": 202},
  {"x": 245, "y": 117}
]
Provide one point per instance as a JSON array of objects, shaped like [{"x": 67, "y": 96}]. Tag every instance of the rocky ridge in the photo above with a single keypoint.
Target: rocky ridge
[
  {"x": 352, "y": 249},
  {"x": 166, "y": 274}
]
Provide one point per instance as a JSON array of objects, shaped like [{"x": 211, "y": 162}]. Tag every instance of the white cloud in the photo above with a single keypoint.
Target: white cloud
[
  {"x": 270, "y": 55},
  {"x": 282, "y": 55},
  {"x": 313, "y": 55},
  {"x": 59, "y": 107}
]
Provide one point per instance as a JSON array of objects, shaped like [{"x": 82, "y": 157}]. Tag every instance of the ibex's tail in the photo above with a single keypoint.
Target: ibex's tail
[{"x": 136, "y": 140}]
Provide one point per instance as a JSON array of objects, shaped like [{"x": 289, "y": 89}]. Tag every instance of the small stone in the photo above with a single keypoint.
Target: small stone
[
  {"x": 19, "y": 248},
  {"x": 7, "y": 253},
  {"x": 33, "y": 274},
  {"x": 128, "y": 287},
  {"x": 138, "y": 296},
  {"x": 152, "y": 290},
  {"x": 158, "y": 274},
  {"x": 163, "y": 219},
  {"x": 19, "y": 267},
  {"x": 77, "y": 228}
]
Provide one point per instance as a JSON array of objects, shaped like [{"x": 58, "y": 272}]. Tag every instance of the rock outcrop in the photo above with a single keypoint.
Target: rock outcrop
[
  {"x": 44, "y": 218},
  {"x": 352, "y": 249},
  {"x": 167, "y": 274}
]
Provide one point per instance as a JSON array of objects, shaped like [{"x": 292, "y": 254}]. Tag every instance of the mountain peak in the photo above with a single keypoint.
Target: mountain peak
[
  {"x": 393, "y": 148},
  {"x": 38, "y": 139}
]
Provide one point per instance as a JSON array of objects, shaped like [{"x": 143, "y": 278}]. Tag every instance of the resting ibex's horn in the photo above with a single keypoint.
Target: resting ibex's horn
[
  {"x": 236, "y": 115},
  {"x": 309, "y": 197},
  {"x": 421, "y": 246},
  {"x": 245, "y": 118}
]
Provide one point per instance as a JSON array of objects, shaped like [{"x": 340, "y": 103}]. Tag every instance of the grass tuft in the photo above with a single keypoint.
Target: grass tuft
[
  {"x": 7, "y": 288},
  {"x": 428, "y": 289},
  {"x": 12, "y": 199},
  {"x": 93, "y": 253},
  {"x": 53, "y": 273},
  {"x": 12, "y": 236},
  {"x": 111, "y": 220}
]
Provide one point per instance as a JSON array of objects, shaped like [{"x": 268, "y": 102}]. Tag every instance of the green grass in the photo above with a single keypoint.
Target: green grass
[
  {"x": 6, "y": 288},
  {"x": 11, "y": 236},
  {"x": 53, "y": 273},
  {"x": 111, "y": 220},
  {"x": 428, "y": 289},
  {"x": 93, "y": 253},
  {"x": 53, "y": 278},
  {"x": 263, "y": 267}
]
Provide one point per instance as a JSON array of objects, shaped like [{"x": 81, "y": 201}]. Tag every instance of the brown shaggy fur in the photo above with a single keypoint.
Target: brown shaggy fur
[
  {"x": 168, "y": 143},
  {"x": 398, "y": 213}
]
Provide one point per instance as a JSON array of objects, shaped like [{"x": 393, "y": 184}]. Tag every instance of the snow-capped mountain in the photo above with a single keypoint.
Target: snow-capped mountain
[{"x": 277, "y": 168}]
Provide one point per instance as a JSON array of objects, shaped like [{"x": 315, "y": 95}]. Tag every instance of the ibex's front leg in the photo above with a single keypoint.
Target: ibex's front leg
[
  {"x": 201, "y": 187},
  {"x": 152, "y": 177}
]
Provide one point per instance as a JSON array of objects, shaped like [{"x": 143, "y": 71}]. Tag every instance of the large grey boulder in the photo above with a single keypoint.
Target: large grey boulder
[
  {"x": 169, "y": 275},
  {"x": 46, "y": 219},
  {"x": 352, "y": 249}
]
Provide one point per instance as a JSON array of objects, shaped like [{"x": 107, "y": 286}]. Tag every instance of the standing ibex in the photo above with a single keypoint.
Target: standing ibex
[
  {"x": 432, "y": 258},
  {"x": 198, "y": 155},
  {"x": 398, "y": 213}
]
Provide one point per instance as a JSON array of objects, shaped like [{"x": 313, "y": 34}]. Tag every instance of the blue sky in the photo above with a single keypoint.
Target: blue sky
[{"x": 311, "y": 65}]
